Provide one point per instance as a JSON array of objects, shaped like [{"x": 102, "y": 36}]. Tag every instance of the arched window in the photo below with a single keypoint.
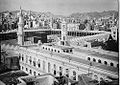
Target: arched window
[
  {"x": 26, "y": 59},
  {"x": 60, "y": 68},
  {"x": 99, "y": 61},
  {"x": 30, "y": 71},
  {"x": 48, "y": 67},
  {"x": 34, "y": 64},
  {"x": 74, "y": 75},
  {"x": 19, "y": 56},
  {"x": 117, "y": 65},
  {"x": 34, "y": 73},
  {"x": 105, "y": 62},
  {"x": 39, "y": 63},
  {"x": 67, "y": 72},
  {"x": 54, "y": 69},
  {"x": 89, "y": 58},
  {"x": 111, "y": 64},
  {"x": 43, "y": 65},
  {"x": 94, "y": 59},
  {"x": 22, "y": 58},
  {"x": 26, "y": 69},
  {"x": 96, "y": 77},
  {"x": 38, "y": 74},
  {"x": 22, "y": 67},
  {"x": 30, "y": 59}
]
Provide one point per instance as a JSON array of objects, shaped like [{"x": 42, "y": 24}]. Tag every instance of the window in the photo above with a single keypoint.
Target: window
[
  {"x": 22, "y": 58},
  {"x": 34, "y": 64},
  {"x": 26, "y": 69},
  {"x": 105, "y": 62},
  {"x": 48, "y": 67},
  {"x": 94, "y": 59},
  {"x": 30, "y": 60},
  {"x": 30, "y": 71},
  {"x": 63, "y": 37},
  {"x": 70, "y": 50},
  {"x": 111, "y": 64},
  {"x": 43, "y": 47},
  {"x": 34, "y": 73},
  {"x": 39, "y": 63},
  {"x": 55, "y": 50},
  {"x": 117, "y": 65},
  {"x": 60, "y": 68},
  {"x": 58, "y": 51},
  {"x": 99, "y": 61},
  {"x": 74, "y": 75},
  {"x": 43, "y": 65},
  {"x": 26, "y": 59},
  {"x": 89, "y": 58},
  {"x": 67, "y": 51},
  {"x": 19, "y": 56},
  {"x": 51, "y": 49},
  {"x": 22, "y": 67},
  {"x": 54, "y": 69},
  {"x": 38, "y": 74},
  {"x": 67, "y": 72}
]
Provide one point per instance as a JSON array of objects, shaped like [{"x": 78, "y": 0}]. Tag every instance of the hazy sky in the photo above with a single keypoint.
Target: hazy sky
[{"x": 59, "y": 7}]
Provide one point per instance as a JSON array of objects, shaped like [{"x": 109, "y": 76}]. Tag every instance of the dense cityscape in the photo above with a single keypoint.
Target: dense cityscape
[{"x": 41, "y": 48}]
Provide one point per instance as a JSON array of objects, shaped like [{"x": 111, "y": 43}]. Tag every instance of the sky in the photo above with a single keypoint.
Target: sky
[{"x": 59, "y": 7}]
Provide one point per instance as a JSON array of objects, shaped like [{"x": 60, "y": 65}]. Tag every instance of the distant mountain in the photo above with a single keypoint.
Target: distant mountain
[
  {"x": 93, "y": 14},
  {"x": 74, "y": 15}
]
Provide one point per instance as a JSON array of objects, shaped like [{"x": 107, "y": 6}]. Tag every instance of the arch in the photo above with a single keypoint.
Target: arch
[
  {"x": 54, "y": 69},
  {"x": 94, "y": 59},
  {"x": 111, "y": 64},
  {"x": 60, "y": 68},
  {"x": 117, "y": 65},
  {"x": 67, "y": 72},
  {"x": 22, "y": 67},
  {"x": 34, "y": 73},
  {"x": 22, "y": 58},
  {"x": 48, "y": 67},
  {"x": 30, "y": 71},
  {"x": 26, "y": 69},
  {"x": 96, "y": 77},
  {"x": 38, "y": 74},
  {"x": 39, "y": 63},
  {"x": 99, "y": 61},
  {"x": 34, "y": 63},
  {"x": 105, "y": 62},
  {"x": 43, "y": 65},
  {"x": 30, "y": 60},
  {"x": 88, "y": 58},
  {"x": 74, "y": 75}
]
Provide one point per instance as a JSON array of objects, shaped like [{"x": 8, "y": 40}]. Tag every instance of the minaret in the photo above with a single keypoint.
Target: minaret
[
  {"x": 20, "y": 32},
  {"x": 64, "y": 33}
]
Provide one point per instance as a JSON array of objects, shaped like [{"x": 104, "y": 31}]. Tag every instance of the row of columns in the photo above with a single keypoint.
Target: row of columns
[
  {"x": 48, "y": 67},
  {"x": 74, "y": 33}
]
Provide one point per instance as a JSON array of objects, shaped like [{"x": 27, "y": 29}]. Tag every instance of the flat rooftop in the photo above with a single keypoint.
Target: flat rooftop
[
  {"x": 97, "y": 54},
  {"x": 12, "y": 77},
  {"x": 76, "y": 59},
  {"x": 72, "y": 58}
]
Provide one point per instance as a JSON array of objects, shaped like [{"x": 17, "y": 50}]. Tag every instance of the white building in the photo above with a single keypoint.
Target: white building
[{"x": 62, "y": 59}]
